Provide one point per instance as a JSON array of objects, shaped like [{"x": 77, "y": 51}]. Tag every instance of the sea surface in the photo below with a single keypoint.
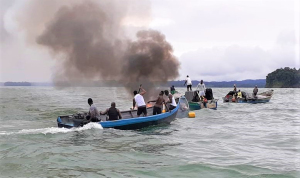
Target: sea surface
[{"x": 234, "y": 141}]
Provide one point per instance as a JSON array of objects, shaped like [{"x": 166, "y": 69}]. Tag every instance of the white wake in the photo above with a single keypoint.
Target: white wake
[{"x": 54, "y": 130}]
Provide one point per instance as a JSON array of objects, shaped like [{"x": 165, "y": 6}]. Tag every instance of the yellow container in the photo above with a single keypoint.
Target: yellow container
[{"x": 192, "y": 115}]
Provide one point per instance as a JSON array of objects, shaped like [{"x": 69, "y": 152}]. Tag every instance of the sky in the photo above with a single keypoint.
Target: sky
[{"x": 214, "y": 40}]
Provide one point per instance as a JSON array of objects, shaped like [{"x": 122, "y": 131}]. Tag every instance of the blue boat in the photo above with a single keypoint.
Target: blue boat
[
  {"x": 263, "y": 97},
  {"x": 130, "y": 121}
]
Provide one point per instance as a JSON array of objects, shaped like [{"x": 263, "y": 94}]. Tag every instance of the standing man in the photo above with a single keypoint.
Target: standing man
[
  {"x": 94, "y": 114},
  {"x": 188, "y": 83},
  {"x": 201, "y": 87},
  {"x": 255, "y": 90},
  {"x": 158, "y": 103},
  {"x": 140, "y": 102},
  {"x": 235, "y": 91},
  {"x": 171, "y": 100}
]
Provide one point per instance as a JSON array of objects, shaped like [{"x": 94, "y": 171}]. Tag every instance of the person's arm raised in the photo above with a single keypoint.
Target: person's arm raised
[{"x": 143, "y": 91}]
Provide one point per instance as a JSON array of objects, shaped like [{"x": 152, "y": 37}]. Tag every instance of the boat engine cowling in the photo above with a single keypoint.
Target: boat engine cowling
[{"x": 209, "y": 94}]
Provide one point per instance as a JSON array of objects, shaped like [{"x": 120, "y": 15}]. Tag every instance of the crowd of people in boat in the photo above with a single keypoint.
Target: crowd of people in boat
[
  {"x": 138, "y": 102},
  {"x": 201, "y": 93},
  {"x": 238, "y": 94}
]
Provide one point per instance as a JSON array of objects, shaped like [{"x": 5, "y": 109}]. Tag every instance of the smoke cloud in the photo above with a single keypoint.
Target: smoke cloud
[{"x": 89, "y": 41}]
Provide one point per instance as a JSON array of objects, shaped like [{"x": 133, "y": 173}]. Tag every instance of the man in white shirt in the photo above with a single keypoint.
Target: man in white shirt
[
  {"x": 171, "y": 100},
  {"x": 201, "y": 87},
  {"x": 140, "y": 102},
  {"x": 94, "y": 114},
  {"x": 188, "y": 83}
]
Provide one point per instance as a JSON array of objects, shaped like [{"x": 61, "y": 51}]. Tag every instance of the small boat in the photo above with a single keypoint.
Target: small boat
[
  {"x": 129, "y": 120},
  {"x": 263, "y": 97},
  {"x": 195, "y": 103}
]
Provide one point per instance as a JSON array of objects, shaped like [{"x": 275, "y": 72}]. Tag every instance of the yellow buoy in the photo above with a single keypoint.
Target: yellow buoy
[{"x": 192, "y": 115}]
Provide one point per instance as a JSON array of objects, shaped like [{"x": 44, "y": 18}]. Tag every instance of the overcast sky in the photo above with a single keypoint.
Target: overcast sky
[{"x": 214, "y": 40}]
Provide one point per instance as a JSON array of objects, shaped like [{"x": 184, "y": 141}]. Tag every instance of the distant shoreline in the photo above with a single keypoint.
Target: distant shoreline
[{"x": 179, "y": 83}]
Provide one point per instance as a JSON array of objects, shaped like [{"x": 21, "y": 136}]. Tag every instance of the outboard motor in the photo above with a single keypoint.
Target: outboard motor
[
  {"x": 183, "y": 107},
  {"x": 189, "y": 95},
  {"x": 196, "y": 96},
  {"x": 209, "y": 94}
]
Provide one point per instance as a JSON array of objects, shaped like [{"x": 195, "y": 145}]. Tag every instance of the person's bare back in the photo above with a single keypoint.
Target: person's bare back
[{"x": 159, "y": 102}]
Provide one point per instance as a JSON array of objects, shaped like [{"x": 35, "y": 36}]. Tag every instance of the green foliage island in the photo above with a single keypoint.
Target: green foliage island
[{"x": 284, "y": 78}]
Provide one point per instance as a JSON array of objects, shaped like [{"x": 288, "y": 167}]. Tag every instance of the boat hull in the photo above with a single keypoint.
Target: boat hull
[
  {"x": 141, "y": 122},
  {"x": 260, "y": 98},
  {"x": 195, "y": 103},
  {"x": 253, "y": 101},
  {"x": 200, "y": 105}
]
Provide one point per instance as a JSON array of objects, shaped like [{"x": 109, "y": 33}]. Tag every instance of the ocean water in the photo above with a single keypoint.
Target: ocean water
[{"x": 234, "y": 141}]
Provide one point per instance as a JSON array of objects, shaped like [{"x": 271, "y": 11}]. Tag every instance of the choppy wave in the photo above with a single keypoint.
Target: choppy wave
[
  {"x": 236, "y": 140},
  {"x": 54, "y": 130}
]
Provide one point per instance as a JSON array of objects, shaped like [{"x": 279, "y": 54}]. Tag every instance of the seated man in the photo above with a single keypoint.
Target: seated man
[
  {"x": 112, "y": 112},
  {"x": 239, "y": 95},
  {"x": 171, "y": 100},
  {"x": 94, "y": 114},
  {"x": 172, "y": 89},
  {"x": 158, "y": 103}
]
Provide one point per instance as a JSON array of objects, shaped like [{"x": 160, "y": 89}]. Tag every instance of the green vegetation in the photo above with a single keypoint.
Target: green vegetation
[{"x": 284, "y": 78}]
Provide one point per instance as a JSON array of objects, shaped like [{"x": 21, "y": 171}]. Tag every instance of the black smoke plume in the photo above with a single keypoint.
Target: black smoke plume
[{"x": 90, "y": 43}]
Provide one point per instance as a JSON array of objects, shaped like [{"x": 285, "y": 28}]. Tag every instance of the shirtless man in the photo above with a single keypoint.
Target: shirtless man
[{"x": 158, "y": 103}]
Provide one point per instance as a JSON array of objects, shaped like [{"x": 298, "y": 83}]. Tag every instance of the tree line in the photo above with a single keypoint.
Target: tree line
[{"x": 283, "y": 78}]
